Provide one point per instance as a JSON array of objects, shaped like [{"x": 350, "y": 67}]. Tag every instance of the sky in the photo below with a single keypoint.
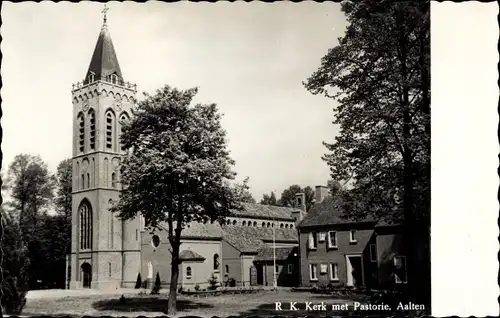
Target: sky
[{"x": 248, "y": 58}]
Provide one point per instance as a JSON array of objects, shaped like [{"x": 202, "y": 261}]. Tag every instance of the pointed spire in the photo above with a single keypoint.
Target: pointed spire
[{"x": 104, "y": 62}]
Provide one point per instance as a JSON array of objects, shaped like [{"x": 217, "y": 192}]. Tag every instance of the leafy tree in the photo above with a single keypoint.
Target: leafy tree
[
  {"x": 379, "y": 75},
  {"x": 15, "y": 264},
  {"x": 31, "y": 187},
  {"x": 288, "y": 197},
  {"x": 178, "y": 169},
  {"x": 243, "y": 191},
  {"x": 64, "y": 185},
  {"x": 269, "y": 199}
]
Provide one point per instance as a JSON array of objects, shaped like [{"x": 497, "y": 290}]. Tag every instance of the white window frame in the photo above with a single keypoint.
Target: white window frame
[
  {"x": 352, "y": 236},
  {"x": 322, "y": 237},
  {"x": 373, "y": 253},
  {"x": 312, "y": 243},
  {"x": 311, "y": 272},
  {"x": 330, "y": 239},
  {"x": 290, "y": 268},
  {"x": 334, "y": 271},
  {"x": 396, "y": 277}
]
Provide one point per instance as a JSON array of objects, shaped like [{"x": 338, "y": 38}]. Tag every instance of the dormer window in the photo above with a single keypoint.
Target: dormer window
[
  {"x": 91, "y": 78},
  {"x": 113, "y": 78}
]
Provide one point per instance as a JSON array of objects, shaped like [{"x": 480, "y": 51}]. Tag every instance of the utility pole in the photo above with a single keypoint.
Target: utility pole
[{"x": 274, "y": 254}]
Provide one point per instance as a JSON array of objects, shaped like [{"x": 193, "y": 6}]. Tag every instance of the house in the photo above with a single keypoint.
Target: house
[
  {"x": 280, "y": 263},
  {"x": 342, "y": 251}
]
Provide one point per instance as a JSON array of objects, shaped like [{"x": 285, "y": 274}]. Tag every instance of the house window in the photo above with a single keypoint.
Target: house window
[
  {"x": 155, "y": 241},
  {"x": 312, "y": 241},
  {"x": 188, "y": 272},
  {"x": 332, "y": 239},
  {"x": 227, "y": 269},
  {"x": 216, "y": 262},
  {"x": 323, "y": 269},
  {"x": 313, "y": 271},
  {"x": 321, "y": 237},
  {"x": 334, "y": 271},
  {"x": 352, "y": 236},
  {"x": 81, "y": 135},
  {"x": 400, "y": 269},
  {"x": 290, "y": 268},
  {"x": 373, "y": 253}
]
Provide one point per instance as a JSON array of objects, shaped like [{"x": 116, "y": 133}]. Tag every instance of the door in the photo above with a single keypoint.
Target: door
[
  {"x": 260, "y": 274},
  {"x": 86, "y": 275},
  {"x": 354, "y": 270}
]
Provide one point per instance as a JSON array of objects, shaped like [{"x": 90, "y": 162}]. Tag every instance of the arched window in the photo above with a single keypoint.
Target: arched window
[
  {"x": 249, "y": 223},
  {"x": 92, "y": 129},
  {"x": 216, "y": 262},
  {"x": 291, "y": 226},
  {"x": 244, "y": 223},
  {"x": 282, "y": 225},
  {"x": 83, "y": 182},
  {"x": 255, "y": 223},
  {"x": 81, "y": 132},
  {"x": 85, "y": 212},
  {"x": 113, "y": 180},
  {"x": 123, "y": 119},
  {"x": 88, "y": 180},
  {"x": 110, "y": 129},
  {"x": 263, "y": 224},
  {"x": 234, "y": 222},
  {"x": 91, "y": 78},
  {"x": 188, "y": 272},
  {"x": 114, "y": 78},
  {"x": 155, "y": 241},
  {"x": 268, "y": 224}
]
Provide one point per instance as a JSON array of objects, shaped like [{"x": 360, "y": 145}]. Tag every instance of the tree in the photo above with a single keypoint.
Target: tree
[
  {"x": 288, "y": 196},
  {"x": 64, "y": 185},
  {"x": 178, "y": 169},
  {"x": 15, "y": 264},
  {"x": 31, "y": 192},
  {"x": 379, "y": 74},
  {"x": 269, "y": 199},
  {"x": 243, "y": 191}
]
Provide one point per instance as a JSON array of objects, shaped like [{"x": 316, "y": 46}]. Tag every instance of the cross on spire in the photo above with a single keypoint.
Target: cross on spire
[{"x": 104, "y": 12}]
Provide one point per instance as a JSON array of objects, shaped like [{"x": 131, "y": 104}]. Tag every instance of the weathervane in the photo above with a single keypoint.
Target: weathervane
[{"x": 104, "y": 12}]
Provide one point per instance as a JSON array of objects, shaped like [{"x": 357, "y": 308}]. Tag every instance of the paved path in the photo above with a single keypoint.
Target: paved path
[{"x": 58, "y": 293}]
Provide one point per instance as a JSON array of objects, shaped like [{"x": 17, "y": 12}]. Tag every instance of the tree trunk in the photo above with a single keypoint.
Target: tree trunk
[{"x": 174, "y": 277}]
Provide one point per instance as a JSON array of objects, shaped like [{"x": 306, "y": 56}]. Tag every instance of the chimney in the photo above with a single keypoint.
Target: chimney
[{"x": 321, "y": 193}]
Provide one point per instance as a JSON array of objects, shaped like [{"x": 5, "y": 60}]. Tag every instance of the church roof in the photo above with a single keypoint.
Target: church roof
[
  {"x": 104, "y": 61},
  {"x": 188, "y": 255},
  {"x": 263, "y": 211},
  {"x": 251, "y": 239}
]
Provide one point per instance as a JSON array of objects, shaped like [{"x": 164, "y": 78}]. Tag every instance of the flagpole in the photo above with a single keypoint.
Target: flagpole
[{"x": 274, "y": 254}]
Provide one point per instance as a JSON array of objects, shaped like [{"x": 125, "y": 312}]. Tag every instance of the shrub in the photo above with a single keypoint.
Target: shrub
[
  {"x": 157, "y": 285},
  {"x": 197, "y": 287},
  {"x": 212, "y": 281},
  {"x": 138, "y": 283},
  {"x": 230, "y": 282}
]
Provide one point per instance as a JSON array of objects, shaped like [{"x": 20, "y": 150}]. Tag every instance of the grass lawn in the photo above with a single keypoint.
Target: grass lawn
[{"x": 241, "y": 305}]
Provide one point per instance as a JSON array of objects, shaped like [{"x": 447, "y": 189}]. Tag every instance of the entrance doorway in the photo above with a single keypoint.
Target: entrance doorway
[
  {"x": 86, "y": 275},
  {"x": 260, "y": 274},
  {"x": 354, "y": 270}
]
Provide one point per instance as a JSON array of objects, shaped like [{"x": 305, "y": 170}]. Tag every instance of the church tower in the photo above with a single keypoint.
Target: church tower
[{"x": 105, "y": 251}]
